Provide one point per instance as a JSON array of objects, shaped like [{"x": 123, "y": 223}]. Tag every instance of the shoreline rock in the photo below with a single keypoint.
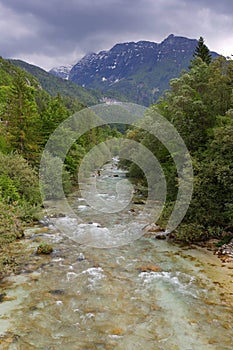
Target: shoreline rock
[
  {"x": 225, "y": 252},
  {"x": 155, "y": 231}
]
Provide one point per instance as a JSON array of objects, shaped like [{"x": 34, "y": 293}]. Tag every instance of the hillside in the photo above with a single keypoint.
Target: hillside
[
  {"x": 138, "y": 72},
  {"x": 8, "y": 70},
  {"x": 54, "y": 85}
]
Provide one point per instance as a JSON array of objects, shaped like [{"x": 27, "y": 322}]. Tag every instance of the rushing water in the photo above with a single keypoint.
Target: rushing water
[{"x": 147, "y": 294}]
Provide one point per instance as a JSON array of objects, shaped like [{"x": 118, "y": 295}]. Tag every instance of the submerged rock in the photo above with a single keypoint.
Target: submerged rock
[
  {"x": 139, "y": 201},
  {"x": 57, "y": 292},
  {"x": 149, "y": 268},
  {"x": 57, "y": 215},
  {"x": 2, "y": 297},
  {"x": 81, "y": 257}
]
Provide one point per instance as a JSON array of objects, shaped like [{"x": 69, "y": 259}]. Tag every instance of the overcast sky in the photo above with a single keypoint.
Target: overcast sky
[{"x": 49, "y": 33}]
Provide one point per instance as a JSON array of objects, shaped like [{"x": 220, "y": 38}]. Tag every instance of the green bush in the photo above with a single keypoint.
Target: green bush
[
  {"x": 44, "y": 248},
  {"x": 18, "y": 180},
  {"x": 191, "y": 233},
  {"x": 11, "y": 227},
  {"x": 8, "y": 190},
  {"x": 50, "y": 178}
]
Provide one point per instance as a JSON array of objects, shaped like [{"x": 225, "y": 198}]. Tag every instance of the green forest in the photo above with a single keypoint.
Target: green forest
[
  {"x": 28, "y": 116},
  {"x": 200, "y": 106}
]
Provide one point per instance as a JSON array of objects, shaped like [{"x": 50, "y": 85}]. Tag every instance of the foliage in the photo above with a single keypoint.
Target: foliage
[
  {"x": 191, "y": 232},
  {"x": 44, "y": 248},
  {"x": 28, "y": 118},
  {"x": 212, "y": 199},
  {"x": 199, "y": 105},
  {"x": 8, "y": 190},
  {"x": 225, "y": 240},
  {"x": 11, "y": 226},
  {"x": 50, "y": 177},
  {"x": 202, "y": 51},
  {"x": 21, "y": 116},
  {"x": 18, "y": 179},
  {"x": 54, "y": 85}
]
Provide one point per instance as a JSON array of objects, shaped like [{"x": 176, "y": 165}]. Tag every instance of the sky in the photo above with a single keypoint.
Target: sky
[{"x": 50, "y": 33}]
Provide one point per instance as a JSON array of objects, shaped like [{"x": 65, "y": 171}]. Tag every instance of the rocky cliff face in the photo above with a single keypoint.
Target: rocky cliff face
[{"x": 136, "y": 71}]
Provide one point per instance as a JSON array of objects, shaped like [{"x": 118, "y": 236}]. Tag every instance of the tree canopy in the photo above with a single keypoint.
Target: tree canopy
[{"x": 202, "y": 51}]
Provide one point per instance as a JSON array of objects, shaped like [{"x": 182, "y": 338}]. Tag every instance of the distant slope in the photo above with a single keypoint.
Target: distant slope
[
  {"x": 61, "y": 71},
  {"x": 9, "y": 70},
  {"x": 138, "y": 71},
  {"x": 54, "y": 85}
]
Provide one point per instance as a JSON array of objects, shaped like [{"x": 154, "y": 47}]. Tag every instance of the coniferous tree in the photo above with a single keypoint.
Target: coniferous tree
[
  {"x": 21, "y": 116},
  {"x": 202, "y": 51}
]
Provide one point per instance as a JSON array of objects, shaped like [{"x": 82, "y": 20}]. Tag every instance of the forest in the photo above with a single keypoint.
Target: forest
[
  {"x": 200, "y": 106},
  {"x": 28, "y": 116}
]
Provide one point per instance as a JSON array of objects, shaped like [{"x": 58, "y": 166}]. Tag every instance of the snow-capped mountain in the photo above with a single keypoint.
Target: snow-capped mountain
[
  {"x": 135, "y": 71},
  {"x": 61, "y": 71}
]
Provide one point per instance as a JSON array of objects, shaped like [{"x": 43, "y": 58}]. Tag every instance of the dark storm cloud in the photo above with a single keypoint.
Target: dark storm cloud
[{"x": 54, "y": 31}]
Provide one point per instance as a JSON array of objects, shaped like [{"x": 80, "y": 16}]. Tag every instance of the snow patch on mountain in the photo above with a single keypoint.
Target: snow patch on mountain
[{"x": 61, "y": 71}]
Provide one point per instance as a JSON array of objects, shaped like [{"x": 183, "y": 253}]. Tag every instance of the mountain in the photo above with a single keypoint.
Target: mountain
[
  {"x": 135, "y": 71},
  {"x": 55, "y": 85},
  {"x": 61, "y": 71},
  {"x": 8, "y": 72}
]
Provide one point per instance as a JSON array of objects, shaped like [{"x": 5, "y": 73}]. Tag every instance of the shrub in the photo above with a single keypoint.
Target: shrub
[
  {"x": 8, "y": 189},
  {"x": 191, "y": 233},
  {"x": 50, "y": 178},
  {"x": 18, "y": 179},
  {"x": 11, "y": 226},
  {"x": 44, "y": 248}
]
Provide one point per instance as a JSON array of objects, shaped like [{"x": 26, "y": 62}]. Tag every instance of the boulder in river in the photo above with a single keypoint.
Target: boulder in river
[
  {"x": 2, "y": 297},
  {"x": 152, "y": 228},
  {"x": 149, "y": 268},
  {"x": 138, "y": 200},
  {"x": 155, "y": 231}
]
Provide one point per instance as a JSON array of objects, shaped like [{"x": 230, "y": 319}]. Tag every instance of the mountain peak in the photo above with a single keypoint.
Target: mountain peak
[
  {"x": 139, "y": 71},
  {"x": 61, "y": 71}
]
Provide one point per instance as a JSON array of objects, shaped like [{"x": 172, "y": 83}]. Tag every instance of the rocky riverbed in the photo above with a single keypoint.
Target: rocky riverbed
[{"x": 147, "y": 294}]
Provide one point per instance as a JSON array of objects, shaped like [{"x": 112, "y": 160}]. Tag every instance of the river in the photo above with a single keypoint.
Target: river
[{"x": 145, "y": 294}]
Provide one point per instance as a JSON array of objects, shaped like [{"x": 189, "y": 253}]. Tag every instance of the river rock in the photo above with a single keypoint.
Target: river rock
[
  {"x": 225, "y": 252},
  {"x": 149, "y": 268},
  {"x": 152, "y": 228},
  {"x": 57, "y": 215},
  {"x": 2, "y": 297},
  {"x": 155, "y": 231},
  {"x": 161, "y": 235},
  {"x": 57, "y": 292},
  {"x": 139, "y": 201},
  {"x": 32, "y": 231}
]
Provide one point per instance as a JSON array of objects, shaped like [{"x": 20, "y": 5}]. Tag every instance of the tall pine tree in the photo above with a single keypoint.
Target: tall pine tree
[
  {"x": 202, "y": 51},
  {"x": 22, "y": 118}
]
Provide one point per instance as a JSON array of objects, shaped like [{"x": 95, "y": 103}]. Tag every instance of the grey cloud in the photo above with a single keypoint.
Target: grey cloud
[{"x": 63, "y": 29}]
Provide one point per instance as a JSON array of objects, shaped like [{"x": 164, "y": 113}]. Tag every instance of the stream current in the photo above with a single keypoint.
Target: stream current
[{"x": 146, "y": 294}]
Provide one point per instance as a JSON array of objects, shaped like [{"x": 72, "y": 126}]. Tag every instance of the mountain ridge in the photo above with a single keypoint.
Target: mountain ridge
[
  {"x": 55, "y": 85},
  {"x": 136, "y": 71}
]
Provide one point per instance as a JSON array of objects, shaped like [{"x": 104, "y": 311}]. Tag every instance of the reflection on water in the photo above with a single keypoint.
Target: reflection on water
[{"x": 93, "y": 298}]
